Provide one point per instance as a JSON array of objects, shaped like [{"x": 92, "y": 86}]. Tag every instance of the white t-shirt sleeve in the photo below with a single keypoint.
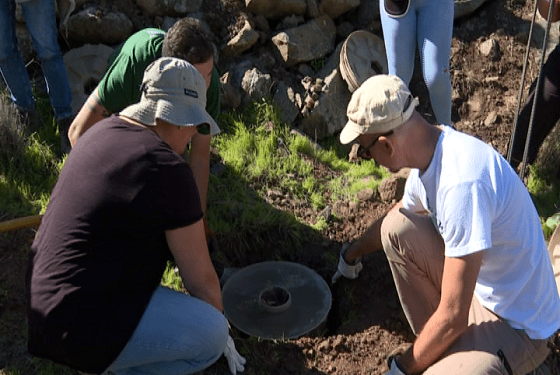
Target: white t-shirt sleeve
[
  {"x": 465, "y": 213},
  {"x": 413, "y": 193}
]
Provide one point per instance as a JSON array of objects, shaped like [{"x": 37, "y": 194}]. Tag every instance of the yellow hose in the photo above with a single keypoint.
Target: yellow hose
[{"x": 22, "y": 222}]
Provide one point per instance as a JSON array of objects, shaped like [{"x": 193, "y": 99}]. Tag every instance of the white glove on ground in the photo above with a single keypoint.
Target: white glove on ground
[
  {"x": 345, "y": 269},
  {"x": 235, "y": 361},
  {"x": 393, "y": 368}
]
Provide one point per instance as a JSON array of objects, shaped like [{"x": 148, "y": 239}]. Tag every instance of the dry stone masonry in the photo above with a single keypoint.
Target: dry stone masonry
[{"x": 287, "y": 51}]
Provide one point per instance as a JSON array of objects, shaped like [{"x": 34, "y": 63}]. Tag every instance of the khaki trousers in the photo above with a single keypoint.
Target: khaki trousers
[{"x": 415, "y": 252}]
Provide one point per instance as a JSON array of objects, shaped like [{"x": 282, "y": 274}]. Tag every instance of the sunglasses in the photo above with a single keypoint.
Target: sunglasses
[{"x": 363, "y": 152}]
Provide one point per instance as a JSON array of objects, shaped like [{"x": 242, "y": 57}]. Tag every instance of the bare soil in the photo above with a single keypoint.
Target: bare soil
[{"x": 366, "y": 320}]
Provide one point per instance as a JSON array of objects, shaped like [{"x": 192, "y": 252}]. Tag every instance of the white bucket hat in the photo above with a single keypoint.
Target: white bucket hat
[
  {"x": 382, "y": 103},
  {"x": 173, "y": 90}
]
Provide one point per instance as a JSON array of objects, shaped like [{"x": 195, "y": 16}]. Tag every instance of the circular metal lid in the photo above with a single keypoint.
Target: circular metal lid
[
  {"x": 362, "y": 56},
  {"x": 274, "y": 300}
]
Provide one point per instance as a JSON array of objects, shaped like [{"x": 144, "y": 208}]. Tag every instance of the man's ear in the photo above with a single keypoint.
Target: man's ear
[{"x": 386, "y": 145}]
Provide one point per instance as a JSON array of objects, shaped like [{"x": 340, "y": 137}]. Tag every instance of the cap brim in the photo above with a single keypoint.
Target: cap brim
[{"x": 348, "y": 133}]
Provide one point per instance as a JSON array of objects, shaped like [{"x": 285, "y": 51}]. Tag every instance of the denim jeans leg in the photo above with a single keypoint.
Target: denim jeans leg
[
  {"x": 399, "y": 35},
  {"x": 435, "y": 53},
  {"x": 41, "y": 23},
  {"x": 417, "y": 28},
  {"x": 12, "y": 66},
  {"x": 178, "y": 334}
]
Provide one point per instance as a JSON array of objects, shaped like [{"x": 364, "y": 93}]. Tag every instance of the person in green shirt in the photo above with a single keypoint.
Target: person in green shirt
[{"x": 121, "y": 86}]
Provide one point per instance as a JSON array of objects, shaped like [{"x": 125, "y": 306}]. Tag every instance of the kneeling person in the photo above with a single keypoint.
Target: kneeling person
[
  {"x": 465, "y": 244},
  {"x": 125, "y": 203}
]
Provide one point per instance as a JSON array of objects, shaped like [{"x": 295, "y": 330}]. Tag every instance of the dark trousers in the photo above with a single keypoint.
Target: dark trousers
[{"x": 547, "y": 111}]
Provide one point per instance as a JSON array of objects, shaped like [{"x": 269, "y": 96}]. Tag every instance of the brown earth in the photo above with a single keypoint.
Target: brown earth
[{"x": 366, "y": 320}]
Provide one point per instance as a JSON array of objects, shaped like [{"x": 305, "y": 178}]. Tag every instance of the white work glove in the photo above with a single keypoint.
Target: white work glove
[
  {"x": 345, "y": 269},
  {"x": 393, "y": 367},
  {"x": 235, "y": 361}
]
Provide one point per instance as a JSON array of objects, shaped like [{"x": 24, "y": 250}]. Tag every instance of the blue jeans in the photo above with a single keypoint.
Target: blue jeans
[
  {"x": 41, "y": 23},
  {"x": 428, "y": 24},
  {"x": 177, "y": 335}
]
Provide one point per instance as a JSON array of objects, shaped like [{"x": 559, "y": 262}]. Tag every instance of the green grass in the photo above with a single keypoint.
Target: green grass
[
  {"x": 29, "y": 165},
  {"x": 261, "y": 155},
  {"x": 171, "y": 277},
  {"x": 545, "y": 191},
  {"x": 276, "y": 156}
]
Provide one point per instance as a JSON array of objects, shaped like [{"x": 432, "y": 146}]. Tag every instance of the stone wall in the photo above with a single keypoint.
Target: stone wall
[{"x": 286, "y": 50}]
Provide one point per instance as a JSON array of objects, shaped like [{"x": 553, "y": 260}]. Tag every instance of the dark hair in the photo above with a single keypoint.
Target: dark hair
[{"x": 188, "y": 40}]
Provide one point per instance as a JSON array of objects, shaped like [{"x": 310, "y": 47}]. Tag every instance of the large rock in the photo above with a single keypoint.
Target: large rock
[
  {"x": 307, "y": 42},
  {"x": 365, "y": 14},
  {"x": 332, "y": 63},
  {"x": 312, "y": 9},
  {"x": 169, "y": 7},
  {"x": 244, "y": 40},
  {"x": 277, "y": 8},
  {"x": 256, "y": 84},
  {"x": 336, "y": 8},
  {"x": 230, "y": 94},
  {"x": 465, "y": 7},
  {"x": 93, "y": 26},
  {"x": 329, "y": 112},
  {"x": 285, "y": 100}
]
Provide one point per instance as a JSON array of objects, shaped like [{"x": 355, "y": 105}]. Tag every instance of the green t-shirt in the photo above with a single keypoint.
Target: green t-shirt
[{"x": 120, "y": 86}]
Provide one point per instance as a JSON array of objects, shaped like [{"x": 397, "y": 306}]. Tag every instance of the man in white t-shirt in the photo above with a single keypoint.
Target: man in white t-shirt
[{"x": 465, "y": 244}]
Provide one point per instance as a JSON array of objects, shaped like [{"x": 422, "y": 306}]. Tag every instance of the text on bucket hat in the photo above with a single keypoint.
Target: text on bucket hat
[
  {"x": 172, "y": 90},
  {"x": 382, "y": 103}
]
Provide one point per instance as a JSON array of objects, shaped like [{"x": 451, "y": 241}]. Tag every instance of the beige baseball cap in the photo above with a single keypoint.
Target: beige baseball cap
[{"x": 382, "y": 103}]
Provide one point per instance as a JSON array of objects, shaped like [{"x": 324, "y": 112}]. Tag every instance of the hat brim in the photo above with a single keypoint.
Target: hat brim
[
  {"x": 349, "y": 133},
  {"x": 147, "y": 111}
]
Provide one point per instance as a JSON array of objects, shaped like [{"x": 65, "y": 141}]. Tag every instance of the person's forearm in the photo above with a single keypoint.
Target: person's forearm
[
  {"x": 437, "y": 335},
  {"x": 202, "y": 282},
  {"x": 91, "y": 112},
  {"x": 188, "y": 246},
  {"x": 451, "y": 317},
  {"x": 207, "y": 291},
  {"x": 199, "y": 161}
]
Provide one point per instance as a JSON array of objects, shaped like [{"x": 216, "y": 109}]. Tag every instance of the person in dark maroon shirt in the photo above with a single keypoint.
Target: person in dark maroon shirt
[{"x": 126, "y": 203}]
